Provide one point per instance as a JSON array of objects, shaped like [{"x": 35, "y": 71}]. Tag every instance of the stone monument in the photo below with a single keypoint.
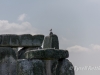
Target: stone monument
[{"x": 32, "y": 59}]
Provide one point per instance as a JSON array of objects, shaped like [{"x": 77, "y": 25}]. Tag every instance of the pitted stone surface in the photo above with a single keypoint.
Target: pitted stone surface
[
  {"x": 47, "y": 54},
  {"x": 24, "y": 49},
  {"x": 25, "y": 67},
  {"x": 51, "y": 41},
  {"x": 37, "y": 40},
  {"x": 8, "y": 61},
  {"x": 7, "y": 52},
  {"x": 25, "y": 40},
  {"x": 8, "y": 66},
  {"x": 50, "y": 66},
  {"x": 38, "y": 67},
  {"x": 65, "y": 67},
  {"x": 31, "y": 67}
]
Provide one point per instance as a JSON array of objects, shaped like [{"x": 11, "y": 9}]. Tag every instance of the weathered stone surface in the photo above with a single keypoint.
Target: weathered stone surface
[
  {"x": 50, "y": 66},
  {"x": 5, "y": 40},
  {"x": 8, "y": 61},
  {"x": 16, "y": 51},
  {"x": 47, "y": 67},
  {"x": 7, "y": 51},
  {"x": 37, "y": 40},
  {"x": 38, "y": 67},
  {"x": 51, "y": 41},
  {"x": 47, "y": 42},
  {"x": 24, "y": 49},
  {"x": 24, "y": 40},
  {"x": 25, "y": 67},
  {"x": 47, "y": 54},
  {"x": 54, "y": 64},
  {"x": 14, "y": 40},
  {"x": 31, "y": 67},
  {"x": 21, "y": 53},
  {"x": 65, "y": 67}
]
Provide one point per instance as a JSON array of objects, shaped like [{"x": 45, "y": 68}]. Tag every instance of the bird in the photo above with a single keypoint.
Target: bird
[
  {"x": 50, "y": 30},
  {"x": 51, "y": 33}
]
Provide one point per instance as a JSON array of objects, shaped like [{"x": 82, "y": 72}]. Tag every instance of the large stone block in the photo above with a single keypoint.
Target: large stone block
[
  {"x": 14, "y": 40},
  {"x": 5, "y": 40},
  {"x": 7, "y": 52},
  {"x": 31, "y": 67},
  {"x": 23, "y": 50},
  {"x": 51, "y": 41},
  {"x": 25, "y": 67},
  {"x": 50, "y": 66},
  {"x": 47, "y": 54},
  {"x": 8, "y": 61},
  {"x": 25, "y": 40},
  {"x": 37, "y": 40},
  {"x": 64, "y": 67},
  {"x": 38, "y": 67}
]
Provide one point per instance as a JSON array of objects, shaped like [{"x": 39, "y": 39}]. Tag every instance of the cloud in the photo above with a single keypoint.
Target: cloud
[
  {"x": 22, "y": 17},
  {"x": 95, "y": 47},
  {"x": 77, "y": 48},
  {"x": 90, "y": 48},
  {"x": 15, "y": 28}
]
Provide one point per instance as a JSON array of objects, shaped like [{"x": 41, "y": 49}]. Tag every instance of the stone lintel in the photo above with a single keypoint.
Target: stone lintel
[
  {"x": 47, "y": 54},
  {"x": 25, "y": 40}
]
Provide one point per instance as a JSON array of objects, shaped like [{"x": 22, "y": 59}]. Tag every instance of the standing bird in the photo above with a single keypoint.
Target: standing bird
[
  {"x": 50, "y": 30},
  {"x": 51, "y": 33}
]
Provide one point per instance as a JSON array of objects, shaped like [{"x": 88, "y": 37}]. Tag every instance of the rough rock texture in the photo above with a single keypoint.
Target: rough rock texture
[
  {"x": 65, "y": 67},
  {"x": 38, "y": 67},
  {"x": 50, "y": 66},
  {"x": 16, "y": 51},
  {"x": 47, "y": 54},
  {"x": 51, "y": 41},
  {"x": 32, "y": 59},
  {"x": 7, "y": 52},
  {"x": 54, "y": 64},
  {"x": 31, "y": 67},
  {"x": 25, "y": 40},
  {"x": 9, "y": 40},
  {"x": 24, "y": 49},
  {"x": 25, "y": 67},
  {"x": 8, "y": 62},
  {"x": 37, "y": 40}
]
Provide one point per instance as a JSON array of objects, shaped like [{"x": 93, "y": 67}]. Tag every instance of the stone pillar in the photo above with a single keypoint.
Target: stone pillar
[
  {"x": 50, "y": 58},
  {"x": 31, "y": 67},
  {"x": 65, "y": 67},
  {"x": 57, "y": 66},
  {"x": 8, "y": 61},
  {"x": 51, "y": 41},
  {"x": 38, "y": 67},
  {"x": 25, "y": 67}
]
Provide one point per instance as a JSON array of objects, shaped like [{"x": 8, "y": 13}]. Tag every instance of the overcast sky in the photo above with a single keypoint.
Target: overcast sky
[{"x": 76, "y": 22}]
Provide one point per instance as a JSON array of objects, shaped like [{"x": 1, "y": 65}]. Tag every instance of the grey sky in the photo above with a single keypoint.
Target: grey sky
[{"x": 76, "y": 22}]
